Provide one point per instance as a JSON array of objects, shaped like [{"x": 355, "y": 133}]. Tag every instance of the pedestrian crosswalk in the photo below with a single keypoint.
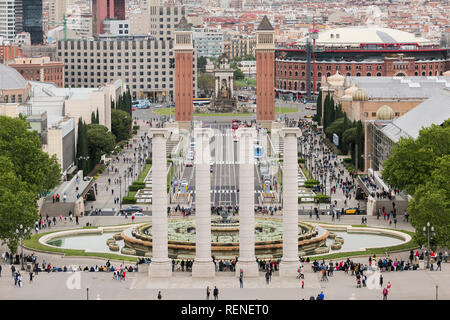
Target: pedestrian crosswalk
[
  {"x": 232, "y": 191},
  {"x": 223, "y": 162}
]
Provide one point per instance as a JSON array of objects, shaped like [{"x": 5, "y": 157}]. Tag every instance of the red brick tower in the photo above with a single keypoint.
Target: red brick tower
[
  {"x": 265, "y": 73},
  {"x": 184, "y": 84}
]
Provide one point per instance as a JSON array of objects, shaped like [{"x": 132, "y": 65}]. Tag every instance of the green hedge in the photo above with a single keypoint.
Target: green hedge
[
  {"x": 320, "y": 198},
  {"x": 347, "y": 160},
  {"x": 136, "y": 186},
  {"x": 301, "y": 160},
  {"x": 136, "y": 127},
  {"x": 129, "y": 200},
  {"x": 148, "y": 161}
]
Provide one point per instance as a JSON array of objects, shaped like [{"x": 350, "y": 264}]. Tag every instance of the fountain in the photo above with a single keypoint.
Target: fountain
[{"x": 225, "y": 238}]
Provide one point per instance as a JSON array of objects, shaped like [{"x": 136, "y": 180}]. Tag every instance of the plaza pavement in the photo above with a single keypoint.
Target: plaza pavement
[{"x": 406, "y": 285}]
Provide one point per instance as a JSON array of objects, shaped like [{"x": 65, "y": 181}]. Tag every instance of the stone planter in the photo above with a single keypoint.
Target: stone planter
[
  {"x": 332, "y": 235},
  {"x": 117, "y": 237},
  {"x": 110, "y": 240},
  {"x": 339, "y": 239},
  {"x": 113, "y": 247},
  {"x": 128, "y": 251},
  {"x": 148, "y": 255},
  {"x": 336, "y": 246},
  {"x": 321, "y": 250}
]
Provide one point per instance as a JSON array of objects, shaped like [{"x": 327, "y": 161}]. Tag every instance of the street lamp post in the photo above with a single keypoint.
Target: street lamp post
[
  {"x": 120, "y": 193},
  {"x": 426, "y": 232},
  {"x": 20, "y": 233}
]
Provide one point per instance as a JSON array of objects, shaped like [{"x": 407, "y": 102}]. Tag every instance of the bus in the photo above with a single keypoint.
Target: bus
[
  {"x": 142, "y": 104},
  {"x": 201, "y": 101},
  {"x": 243, "y": 98}
]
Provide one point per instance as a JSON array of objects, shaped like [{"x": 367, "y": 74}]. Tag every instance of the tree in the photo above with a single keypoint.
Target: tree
[
  {"x": 82, "y": 147},
  {"x": 201, "y": 64},
  {"x": 206, "y": 83},
  {"x": 412, "y": 161},
  {"x": 359, "y": 139},
  {"x": 431, "y": 203},
  {"x": 318, "y": 116},
  {"x": 249, "y": 57},
  {"x": 238, "y": 74},
  {"x": 30, "y": 164},
  {"x": 93, "y": 120},
  {"x": 17, "y": 206},
  {"x": 336, "y": 127},
  {"x": 121, "y": 123},
  {"x": 100, "y": 141}
]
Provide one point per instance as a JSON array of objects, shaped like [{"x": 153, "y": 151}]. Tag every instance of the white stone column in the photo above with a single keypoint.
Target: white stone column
[
  {"x": 203, "y": 265},
  {"x": 290, "y": 260},
  {"x": 160, "y": 266},
  {"x": 247, "y": 259}
]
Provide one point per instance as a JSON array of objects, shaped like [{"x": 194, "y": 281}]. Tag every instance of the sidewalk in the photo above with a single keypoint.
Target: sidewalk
[{"x": 106, "y": 192}]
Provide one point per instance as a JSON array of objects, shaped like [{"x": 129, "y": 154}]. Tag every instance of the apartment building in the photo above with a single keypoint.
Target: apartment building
[
  {"x": 142, "y": 63},
  {"x": 208, "y": 42},
  {"x": 164, "y": 19},
  {"x": 239, "y": 46}
]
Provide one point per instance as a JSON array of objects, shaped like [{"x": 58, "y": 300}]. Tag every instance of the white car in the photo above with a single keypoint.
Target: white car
[{"x": 190, "y": 155}]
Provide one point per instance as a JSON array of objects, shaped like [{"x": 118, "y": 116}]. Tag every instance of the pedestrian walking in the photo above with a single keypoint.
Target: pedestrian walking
[
  {"x": 385, "y": 293},
  {"x": 303, "y": 284},
  {"x": 216, "y": 293},
  {"x": 241, "y": 280},
  {"x": 20, "y": 280},
  {"x": 0, "y": 270},
  {"x": 208, "y": 292},
  {"x": 159, "y": 295},
  {"x": 31, "y": 276},
  {"x": 381, "y": 280}
]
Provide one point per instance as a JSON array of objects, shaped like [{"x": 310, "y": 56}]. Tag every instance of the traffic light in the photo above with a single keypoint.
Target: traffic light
[{"x": 172, "y": 63}]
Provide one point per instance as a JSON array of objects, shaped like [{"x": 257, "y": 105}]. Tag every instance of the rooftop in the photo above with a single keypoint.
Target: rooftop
[
  {"x": 354, "y": 36},
  {"x": 10, "y": 79},
  {"x": 434, "y": 110}
]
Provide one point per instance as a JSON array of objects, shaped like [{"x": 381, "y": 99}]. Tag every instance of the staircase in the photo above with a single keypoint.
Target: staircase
[
  {"x": 57, "y": 208},
  {"x": 306, "y": 194},
  {"x": 145, "y": 195}
]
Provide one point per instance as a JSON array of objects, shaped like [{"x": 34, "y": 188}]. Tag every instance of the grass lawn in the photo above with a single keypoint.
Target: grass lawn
[
  {"x": 377, "y": 251},
  {"x": 33, "y": 243},
  {"x": 144, "y": 173}
]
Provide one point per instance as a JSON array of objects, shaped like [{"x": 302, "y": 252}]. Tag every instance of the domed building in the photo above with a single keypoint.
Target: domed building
[
  {"x": 13, "y": 87},
  {"x": 385, "y": 113},
  {"x": 360, "y": 95},
  {"x": 357, "y": 52}
]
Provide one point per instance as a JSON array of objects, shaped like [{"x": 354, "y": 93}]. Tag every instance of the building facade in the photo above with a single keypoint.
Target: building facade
[
  {"x": 140, "y": 62},
  {"x": 238, "y": 46},
  {"x": 395, "y": 53},
  {"x": 10, "y": 19},
  {"x": 265, "y": 78},
  {"x": 8, "y": 52},
  {"x": 208, "y": 42},
  {"x": 40, "y": 69},
  {"x": 116, "y": 28},
  {"x": 184, "y": 56},
  {"x": 32, "y": 20},
  {"x": 164, "y": 19},
  {"x": 106, "y": 9}
]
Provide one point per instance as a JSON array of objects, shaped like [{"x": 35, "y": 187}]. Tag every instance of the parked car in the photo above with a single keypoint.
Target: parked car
[
  {"x": 351, "y": 211},
  {"x": 130, "y": 210}
]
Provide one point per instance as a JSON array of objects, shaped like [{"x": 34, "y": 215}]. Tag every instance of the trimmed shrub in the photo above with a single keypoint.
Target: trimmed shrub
[
  {"x": 129, "y": 200},
  {"x": 136, "y": 186},
  {"x": 136, "y": 127},
  {"x": 320, "y": 198},
  {"x": 148, "y": 161},
  {"x": 301, "y": 160}
]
